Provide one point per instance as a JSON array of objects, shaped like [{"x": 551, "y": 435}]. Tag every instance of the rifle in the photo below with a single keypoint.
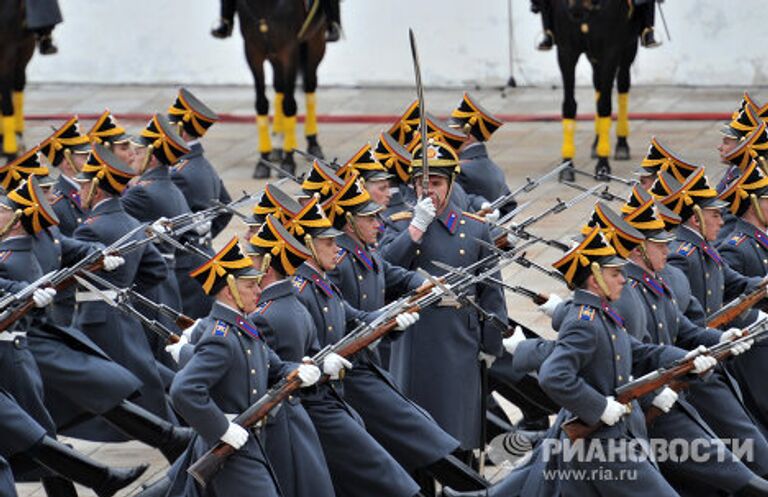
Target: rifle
[
  {"x": 628, "y": 182},
  {"x": 529, "y": 264},
  {"x": 737, "y": 306},
  {"x": 361, "y": 337},
  {"x": 529, "y": 185},
  {"x": 604, "y": 194},
  {"x": 182, "y": 320},
  {"x": 151, "y": 324},
  {"x": 671, "y": 375},
  {"x": 18, "y": 305}
]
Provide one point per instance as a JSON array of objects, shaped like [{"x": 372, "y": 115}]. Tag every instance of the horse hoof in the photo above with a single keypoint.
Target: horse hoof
[
  {"x": 622, "y": 149},
  {"x": 314, "y": 148},
  {"x": 276, "y": 155},
  {"x": 602, "y": 169},
  {"x": 260, "y": 171},
  {"x": 288, "y": 165},
  {"x": 567, "y": 173},
  {"x": 593, "y": 150}
]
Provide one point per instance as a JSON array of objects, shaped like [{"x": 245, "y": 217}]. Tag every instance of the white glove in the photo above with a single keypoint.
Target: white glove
[
  {"x": 760, "y": 314},
  {"x": 309, "y": 374},
  {"x": 175, "y": 348},
  {"x": 161, "y": 226},
  {"x": 665, "y": 399},
  {"x": 733, "y": 334},
  {"x": 203, "y": 228},
  {"x": 236, "y": 436},
  {"x": 550, "y": 305},
  {"x": 188, "y": 331},
  {"x": 112, "y": 262},
  {"x": 492, "y": 216},
  {"x": 511, "y": 343},
  {"x": 613, "y": 411},
  {"x": 487, "y": 358},
  {"x": 512, "y": 240},
  {"x": 43, "y": 296},
  {"x": 423, "y": 214},
  {"x": 701, "y": 363},
  {"x": 333, "y": 364},
  {"x": 406, "y": 319}
]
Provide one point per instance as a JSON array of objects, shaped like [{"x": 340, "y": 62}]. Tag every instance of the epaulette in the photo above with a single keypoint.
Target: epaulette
[
  {"x": 91, "y": 220},
  {"x": 686, "y": 249},
  {"x": 144, "y": 182},
  {"x": 474, "y": 216},
  {"x": 736, "y": 239},
  {"x": 634, "y": 283},
  {"x": 586, "y": 313},
  {"x": 56, "y": 197},
  {"x": 5, "y": 254},
  {"x": 341, "y": 255},
  {"x": 401, "y": 216},
  {"x": 221, "y": 329},
  {"x": 299, "y": 283},
  {"x": 262, "y": 307},
  {"x": 180, "y": 166}
]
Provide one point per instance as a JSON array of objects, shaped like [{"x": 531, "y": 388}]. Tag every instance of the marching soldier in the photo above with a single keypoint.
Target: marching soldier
[
  {"x": 340, "y": 428},
  {"x": 67, "y": 149},
  {"x": 293, "y": 445},
  {"x": 479, "y": 174},
  {"x": 120, "y": 336},
  {"x": 201, "y": 185},
  {"x": 228, "y": 371},
  {"x": 447, "y": 339},
  {"x": 646, "y": 294}
]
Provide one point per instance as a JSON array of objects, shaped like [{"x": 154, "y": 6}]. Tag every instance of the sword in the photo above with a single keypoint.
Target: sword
[
  {"x": 422, "y": 115},
  {"x": 663, "y": 20}
]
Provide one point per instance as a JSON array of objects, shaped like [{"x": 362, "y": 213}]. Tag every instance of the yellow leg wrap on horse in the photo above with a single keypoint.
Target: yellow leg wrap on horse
[
  {"x": 569, "y": 131},
  {"x": 18, "y": 110},
  {"x": 10, "y": 146},
  {"x": 290, "y": 134},
  {"x": 597, "y": 97},
  {"x": 277, "y": 122},
  {"x": 310, "y": 122},
  {"x": 604, "y": 136},
  {"x": 622, "y": 121},
  {"x": 265, "y": 142}
]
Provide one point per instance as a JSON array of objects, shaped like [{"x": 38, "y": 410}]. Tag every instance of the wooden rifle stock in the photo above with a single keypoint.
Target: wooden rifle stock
[{"x": 736, "y": 307}]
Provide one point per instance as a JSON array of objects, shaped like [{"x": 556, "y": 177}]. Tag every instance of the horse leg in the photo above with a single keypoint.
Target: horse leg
[
  {"x": 595, "y": 84},
  {"x": 312, "y": 53},
  {"x": 19, "y": 83},
  {"x": 256, "y": 63},
  {"x": 607, "y": 75},
  {"x": 623, "y": 83},
  {"x": 8, "y": 122},
  {"x": 567, "y": 60},
  {"x": 278, "y": 118},
  {"x": 289, "y": 62}
]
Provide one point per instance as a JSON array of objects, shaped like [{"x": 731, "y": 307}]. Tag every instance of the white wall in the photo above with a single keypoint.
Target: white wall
[{"x": 461, "y": 43}]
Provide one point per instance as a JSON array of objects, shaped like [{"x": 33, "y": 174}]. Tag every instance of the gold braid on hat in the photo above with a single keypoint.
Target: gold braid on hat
[{"x": 580, "y": 256}]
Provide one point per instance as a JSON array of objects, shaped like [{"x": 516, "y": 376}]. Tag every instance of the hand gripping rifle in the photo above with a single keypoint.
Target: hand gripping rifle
[
  {"x": 672, "y": 376},
  {"x": 737, "y": 306},
  {"x": 529, "y": 185},
  {"x": 121, "y": 303},
  {"x": 356, "y": 340},
  {"x": 18, "y": 305},
  {"x": 182, "y": 320}
]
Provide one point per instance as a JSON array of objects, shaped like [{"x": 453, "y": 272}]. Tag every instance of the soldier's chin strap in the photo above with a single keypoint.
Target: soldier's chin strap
[
  {"x": 353, "y": 223},
  {"x": 702, "y": 225},
  {"x": 756, "y": 207},
  {"x": 311, "y": 246},
  {"x": 147, "y": 158},
  {"x": 598, "y": 274},
  {"x": 232, "y": 284},
  {"x": 91, "y": 193},
  {"x": 15, "y": 219},
  {"x": 644, "y": 255},
  {"x": 265, "y": 262},
  {"x": 68, "y": 158}
]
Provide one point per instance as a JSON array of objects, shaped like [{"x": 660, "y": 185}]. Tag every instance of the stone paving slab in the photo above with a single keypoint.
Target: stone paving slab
[{"x": 521, "y": 149}]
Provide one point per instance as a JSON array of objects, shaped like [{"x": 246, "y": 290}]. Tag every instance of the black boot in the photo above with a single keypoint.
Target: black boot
[
  {"x": 647, "y": 38},
  {"x": 56, "y": 486},
  {"x": 333, "y": 33},
  {"x": 757, "y": 487},
  {"x": 333, "y": 20},
  {"x": 547, "y": 43},
  {"x": 223, "y": 29},
  {"x": 451, "y": 472},
  {"x": 73, "y": 465},
  {"x": 45, "y": 44},
  {"x": 157, "y": 489},
  {"x": 449, "y": 492},
  {"x": 142, "y": 425}
]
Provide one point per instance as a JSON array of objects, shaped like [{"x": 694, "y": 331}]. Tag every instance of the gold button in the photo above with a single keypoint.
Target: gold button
[
  {"x": 709, "y": 292},
  {"x": 365, "y": 296},
  {"x": 461, "y": 252},
  {"x": 418, "y": 251},
  {"x": 613, "y": 337},
  {"x": 765, "y": 261},
  {"x": 621, "y": 378},
  {"x": 653, "y": 306},
  {"x": 661, "y": 325},
  {"x": 709, "y": 310},
  {"x": 254, "y": 391},
  {"x": 360, "y": 277},
  {"x": 325, "y": 309},
  {"x": 661, "y": 342},
  {"x": 462, "y": 235},
  {"x": 706, "y": 275},
  {"x": 248, "y": 351},
  {"x": 253, "y": 371},
  {"x": 618, "y": 357},
  {"x": 462, "y": 222},
  {"x": 79, "y": 220},
  {"x": 330, "y": 328}
]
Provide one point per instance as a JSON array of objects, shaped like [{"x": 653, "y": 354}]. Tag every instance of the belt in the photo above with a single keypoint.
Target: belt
[
  {"x": 83, "y": 296},
  {"x": 10, "y": 336}
]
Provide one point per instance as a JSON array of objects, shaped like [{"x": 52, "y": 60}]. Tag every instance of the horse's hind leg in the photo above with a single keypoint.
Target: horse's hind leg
[
  {"x": 8, "y": 122},
  {"x": 312, "y": 53},
  {"x": 607, "y": 75},
  {"x": 19, "y": 83},
  {"x": 256, "y": 63},
  {"x": 287, "y": 64},
  {"x": 623, "y": 83},
  {"x": 567, "y": 59},
  {"x": 595, "y": 85}
]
